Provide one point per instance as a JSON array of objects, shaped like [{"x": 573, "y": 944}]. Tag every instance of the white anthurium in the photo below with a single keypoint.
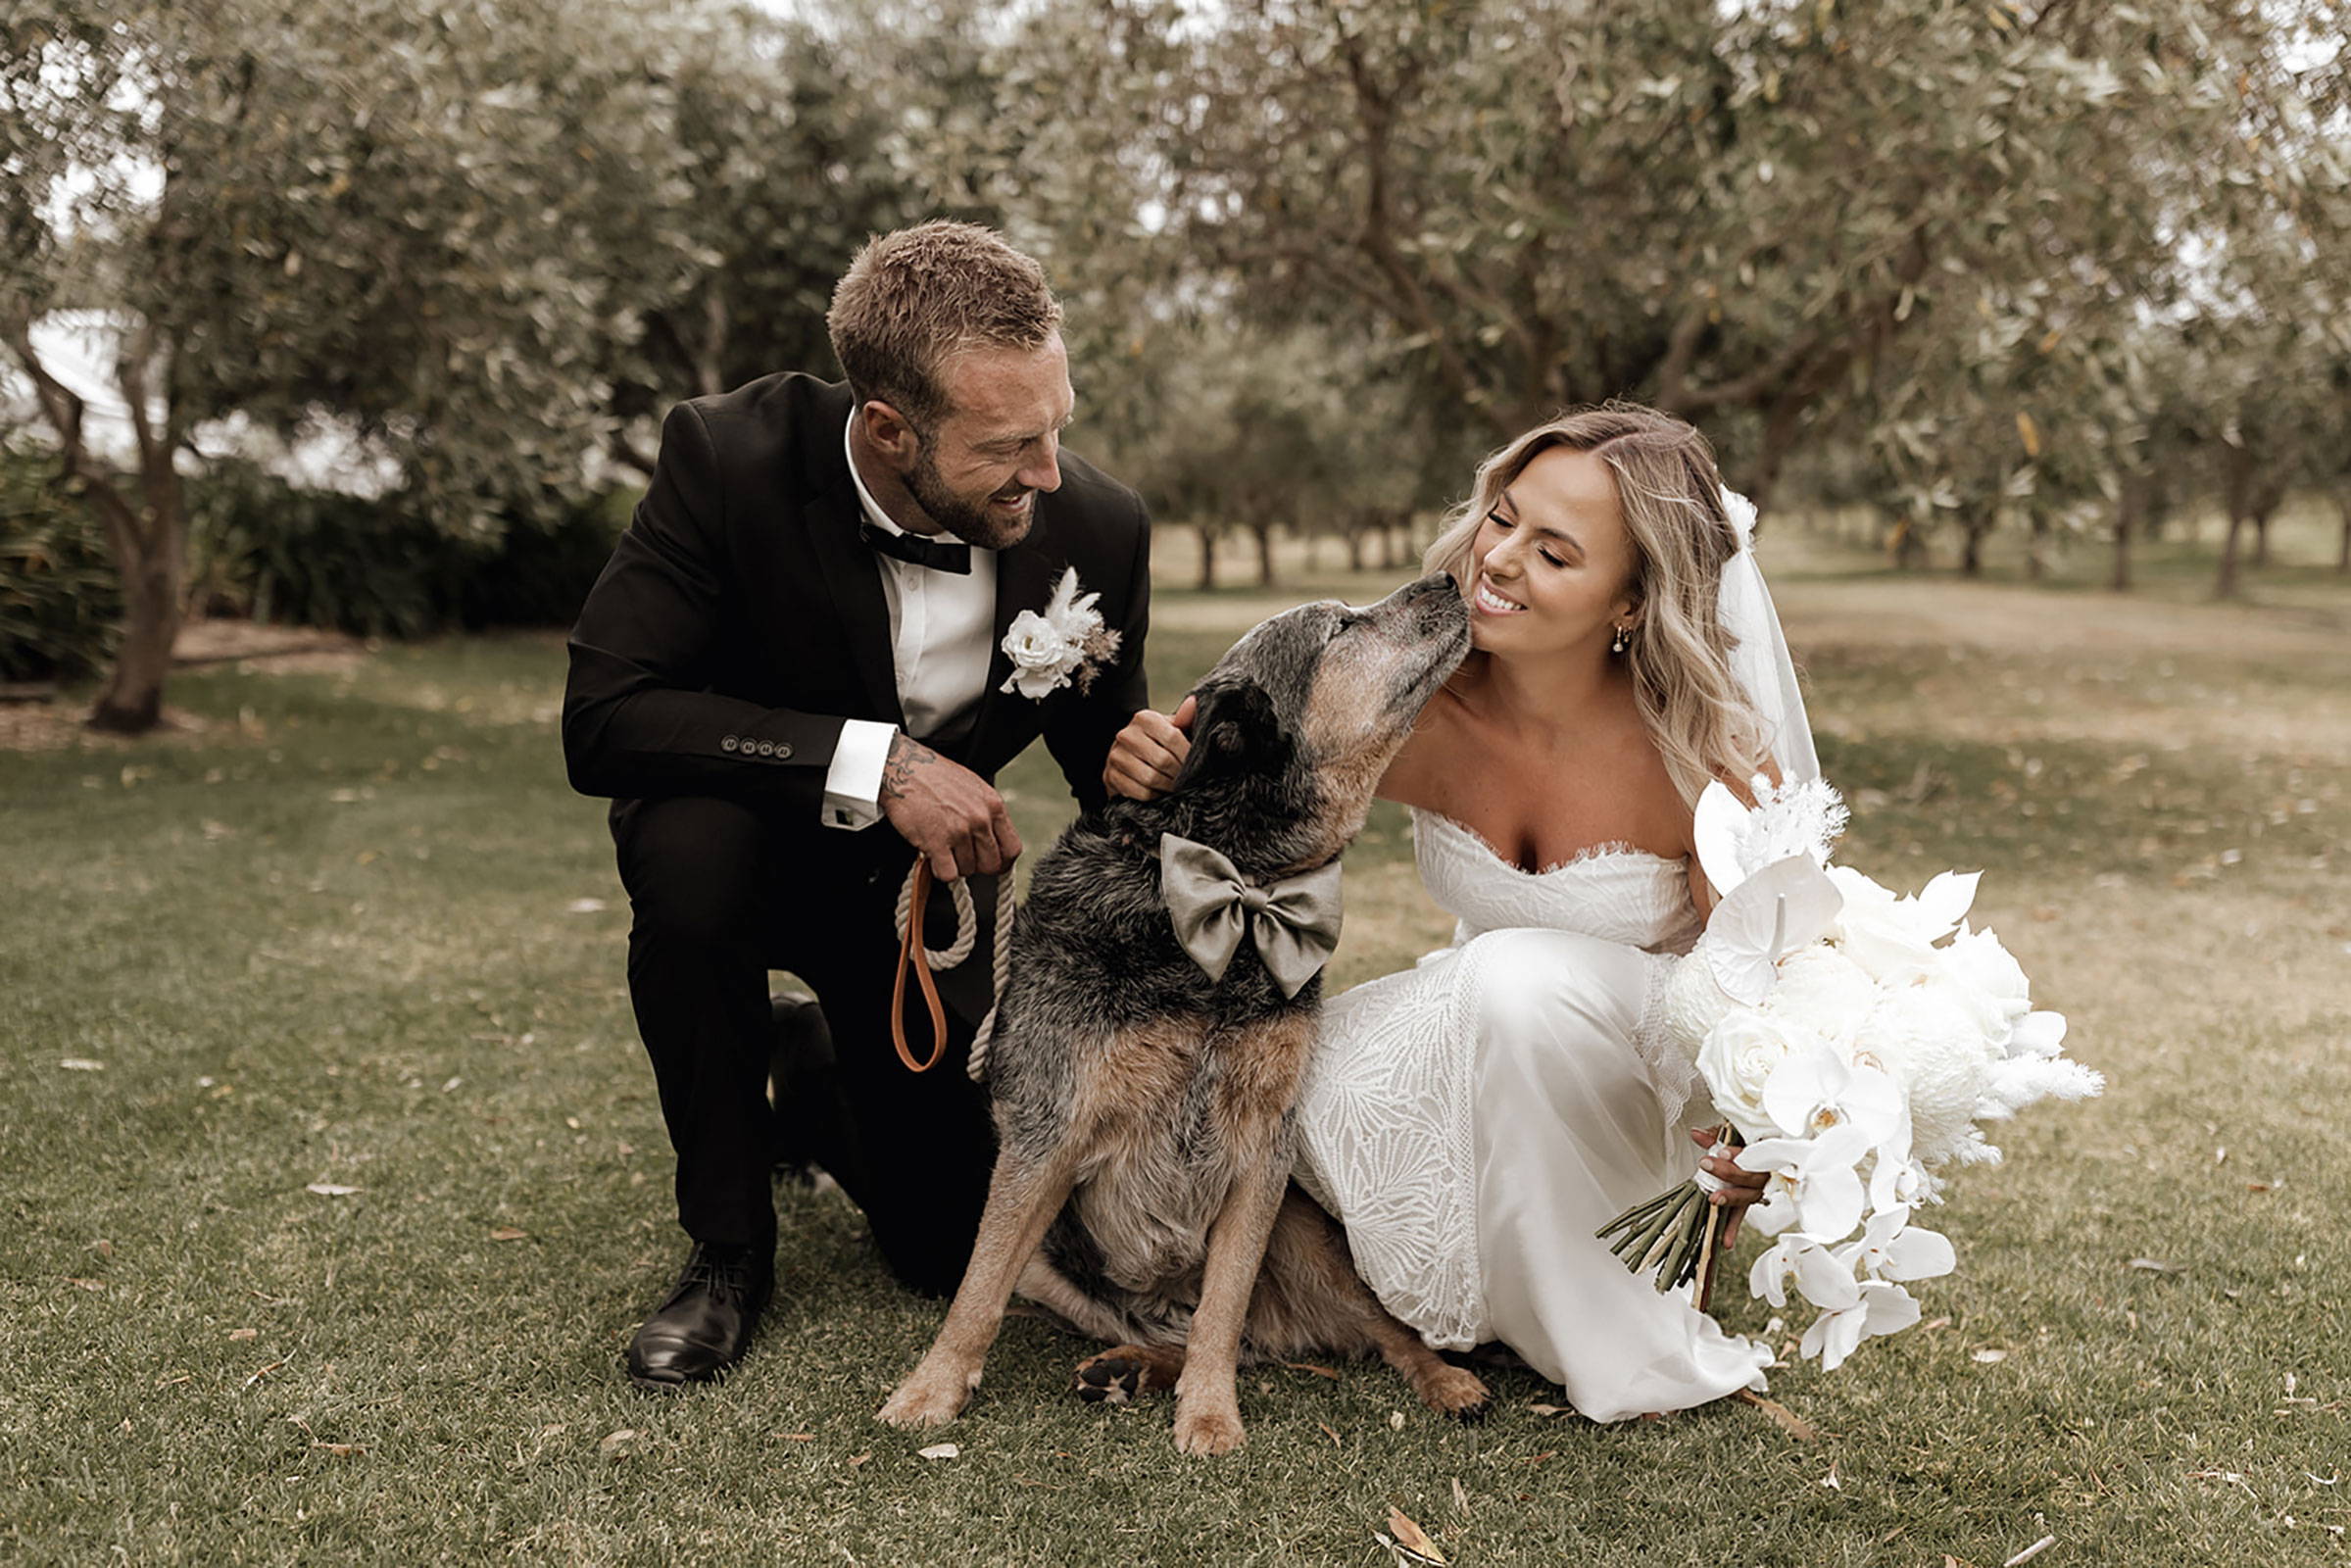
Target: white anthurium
[
  {"x": 1779, "y": 910},
  {"x": 1815, "y": 1090},
  {"x": 1884, "y": 1308},
  {"x": 1890, "y": 1247},
  {"x": 1823, "y": 1192},
  {"x": 1820, "y": 1277}
]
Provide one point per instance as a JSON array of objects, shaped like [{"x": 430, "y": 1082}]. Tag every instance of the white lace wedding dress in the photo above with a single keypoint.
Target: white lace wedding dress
[{"x": 1474, "y": 1119}]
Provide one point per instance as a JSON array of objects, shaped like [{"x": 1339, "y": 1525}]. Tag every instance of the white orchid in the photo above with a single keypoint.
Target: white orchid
[
  {"x": 1814, "y": 1186},
  {"x": 1817, "y": 1091},
  {"x": 1820, "y": 1278},
  {"x": 1890, "y": 1247},
  {"x": 1883, "y": 1308}
]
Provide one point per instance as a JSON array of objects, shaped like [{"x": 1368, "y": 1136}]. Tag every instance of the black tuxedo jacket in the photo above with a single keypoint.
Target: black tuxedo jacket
[{"x": 741, "y": 619}]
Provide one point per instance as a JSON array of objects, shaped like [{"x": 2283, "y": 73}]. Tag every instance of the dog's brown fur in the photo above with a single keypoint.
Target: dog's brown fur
[{"x": 1145, "y": 1114}]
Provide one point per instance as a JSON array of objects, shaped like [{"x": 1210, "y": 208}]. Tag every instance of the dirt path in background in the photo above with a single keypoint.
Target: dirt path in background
[{"x": 57, "y": 725}]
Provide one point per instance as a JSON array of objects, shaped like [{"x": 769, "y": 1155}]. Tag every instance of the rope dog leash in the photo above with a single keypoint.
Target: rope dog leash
[{"x": 915, "y": 895}]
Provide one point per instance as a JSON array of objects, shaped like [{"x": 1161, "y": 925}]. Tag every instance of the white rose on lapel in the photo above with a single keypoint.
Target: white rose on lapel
[{"x": 1065, "y": 643}]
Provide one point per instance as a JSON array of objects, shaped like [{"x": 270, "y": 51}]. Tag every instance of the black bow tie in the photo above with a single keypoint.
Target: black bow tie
[{"x": 951, "y": 557}]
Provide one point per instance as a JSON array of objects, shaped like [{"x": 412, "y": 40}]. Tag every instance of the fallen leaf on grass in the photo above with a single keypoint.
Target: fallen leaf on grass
[
  {"x": 106, "y": 1249},
  {"x": 797, "y": 1437},
  {"x": 613, "y": 1443},
  {"x": 2031, "y": 1552},
  {"x": 1829, "y": 1480},
  {"x": 1461, "y": 1498},
  {"x": 939, "y": 1450},
  {"x": 859, "y": 1460},
  {"x": 1331, "y": 1432},
  {"x": 341, "y": 1450},
  {"x": 1933, "y": 1323},
  {"x": 1396, "y": 1420},
  {"x": 1988, "y": 1357},
  {"x": 2152, "y": 1265},
  {"x": 1411, "y": 1537},
  {"x": 81, "y": 1065},
  {"x": 263, "y": 1376},
  {"x": 87, "y": 1285},
  {"x": 508, "y": 1233},
  {"x": 330, "y": 1190},
  {"x": 1318, "y": 1371},
  {"x": 1787, "y": 1420},
  {"x": 1550, "y": 1409},
  {"x": 244, "y": 1334}
]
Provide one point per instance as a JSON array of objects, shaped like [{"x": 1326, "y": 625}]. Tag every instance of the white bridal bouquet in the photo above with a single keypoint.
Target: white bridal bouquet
[{"x": 1853, "y": 1040}]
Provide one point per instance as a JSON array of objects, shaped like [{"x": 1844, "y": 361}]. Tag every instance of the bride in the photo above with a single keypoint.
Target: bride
[{"x": 1473, "y": 1120}]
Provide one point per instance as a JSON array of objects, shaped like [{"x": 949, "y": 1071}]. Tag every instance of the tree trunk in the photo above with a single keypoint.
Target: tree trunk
[
  {"x": 2343, "y": 556},
  {"x": 1208, "y": 558},
  {"x": 2261, "y": 539},
  {"x": 2226, "y": 587},
  {"x": 2036, "y": 565},
  {"x": 132, "y": 701},
  {"x": 1354, "y": 549},
  {"x": 1263, "y": 531},
  {"x": 1908, "y": 546},
  {"x": 1973, "y": 527},
  {"x": 2126, "y": 522}
]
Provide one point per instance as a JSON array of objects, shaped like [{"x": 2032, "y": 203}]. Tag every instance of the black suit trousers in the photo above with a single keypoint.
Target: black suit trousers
[{"x": 721, "y": 893}]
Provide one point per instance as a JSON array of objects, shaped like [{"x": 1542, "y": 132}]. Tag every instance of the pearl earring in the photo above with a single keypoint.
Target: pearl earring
[{"x": 1618, "y": 646}]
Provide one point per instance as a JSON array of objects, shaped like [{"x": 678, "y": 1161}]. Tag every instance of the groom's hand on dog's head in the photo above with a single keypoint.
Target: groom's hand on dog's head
[
  {"x": 1145, "y": 758},
  {"x": 952, "y": 817}
]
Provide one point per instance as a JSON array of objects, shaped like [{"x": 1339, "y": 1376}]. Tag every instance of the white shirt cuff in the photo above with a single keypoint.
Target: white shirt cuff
[{"x": 852, "y": 784}]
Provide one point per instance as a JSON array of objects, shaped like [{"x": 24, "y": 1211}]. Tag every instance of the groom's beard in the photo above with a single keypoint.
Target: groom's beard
[{"x": 970, "y": 521}]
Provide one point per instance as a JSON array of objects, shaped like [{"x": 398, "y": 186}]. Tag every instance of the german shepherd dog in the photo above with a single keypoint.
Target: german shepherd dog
[{"x": 1144, "y": 1113}]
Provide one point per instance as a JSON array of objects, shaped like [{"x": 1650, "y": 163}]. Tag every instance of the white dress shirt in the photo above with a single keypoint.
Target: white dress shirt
[{"x": 942, "y": 626}]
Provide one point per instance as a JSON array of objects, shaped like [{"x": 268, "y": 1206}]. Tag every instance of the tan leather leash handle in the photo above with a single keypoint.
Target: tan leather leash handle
[{"x": 911, "y": 955}]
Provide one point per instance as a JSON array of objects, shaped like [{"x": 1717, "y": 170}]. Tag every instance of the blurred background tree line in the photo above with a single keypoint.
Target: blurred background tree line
[{"x": 387, "y": 298}]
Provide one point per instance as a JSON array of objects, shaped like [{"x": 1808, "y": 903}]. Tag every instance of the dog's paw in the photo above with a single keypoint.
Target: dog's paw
[
  {"x": 1126, "y": 1373},
  {"x": 926, "y": 1399},
  {"x": 1208, "y": 1430},
  {"x": 1455, "y": 1391}
]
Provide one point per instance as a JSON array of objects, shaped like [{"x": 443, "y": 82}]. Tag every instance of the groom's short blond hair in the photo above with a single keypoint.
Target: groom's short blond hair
[{"x": 915, "y": 298}]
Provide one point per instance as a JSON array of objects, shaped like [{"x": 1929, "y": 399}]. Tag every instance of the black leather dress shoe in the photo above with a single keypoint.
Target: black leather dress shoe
[{"x": 705, "y": 1325}]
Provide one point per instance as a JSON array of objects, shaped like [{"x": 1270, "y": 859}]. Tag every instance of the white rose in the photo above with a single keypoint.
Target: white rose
[
  {"x": 1977, "y": 957},
  {"x": 1889, "y": 937},
  {"x": 1737, "y": 1058},
  {"x": 1040, "y": 655}
]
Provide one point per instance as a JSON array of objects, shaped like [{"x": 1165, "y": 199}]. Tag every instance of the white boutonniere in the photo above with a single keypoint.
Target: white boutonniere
[{"x": 1067, "y": 643}]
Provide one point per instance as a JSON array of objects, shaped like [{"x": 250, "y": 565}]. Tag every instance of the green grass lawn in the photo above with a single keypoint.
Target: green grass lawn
[{"x": 335, "y": 937}]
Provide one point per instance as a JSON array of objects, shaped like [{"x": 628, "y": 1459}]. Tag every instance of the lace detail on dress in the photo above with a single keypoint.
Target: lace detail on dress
[{"x": 1671, "y": 1073}]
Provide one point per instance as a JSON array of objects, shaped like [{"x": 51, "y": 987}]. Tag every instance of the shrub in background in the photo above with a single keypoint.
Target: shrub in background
[
  {"x": 382, "y": 567},
  {"x": 60, "y": 608}
]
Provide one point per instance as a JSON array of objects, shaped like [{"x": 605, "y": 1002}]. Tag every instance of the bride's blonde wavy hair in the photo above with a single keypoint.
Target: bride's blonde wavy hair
[{"x": 1670, "y": 495}]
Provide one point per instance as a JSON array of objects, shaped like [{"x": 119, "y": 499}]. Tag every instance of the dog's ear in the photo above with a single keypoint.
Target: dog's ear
[{"x": 1234, "y": 730}]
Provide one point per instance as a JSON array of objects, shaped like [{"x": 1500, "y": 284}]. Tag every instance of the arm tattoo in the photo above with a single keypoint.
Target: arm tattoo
[{"x": 905, "y": 755}]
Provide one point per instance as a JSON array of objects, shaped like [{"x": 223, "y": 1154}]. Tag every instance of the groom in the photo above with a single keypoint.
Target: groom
[{"x": 791, "y": 679}]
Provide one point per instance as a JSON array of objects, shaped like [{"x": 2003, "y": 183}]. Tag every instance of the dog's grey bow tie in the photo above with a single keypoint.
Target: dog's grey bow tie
[{"x": 1294, "y": 920}]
